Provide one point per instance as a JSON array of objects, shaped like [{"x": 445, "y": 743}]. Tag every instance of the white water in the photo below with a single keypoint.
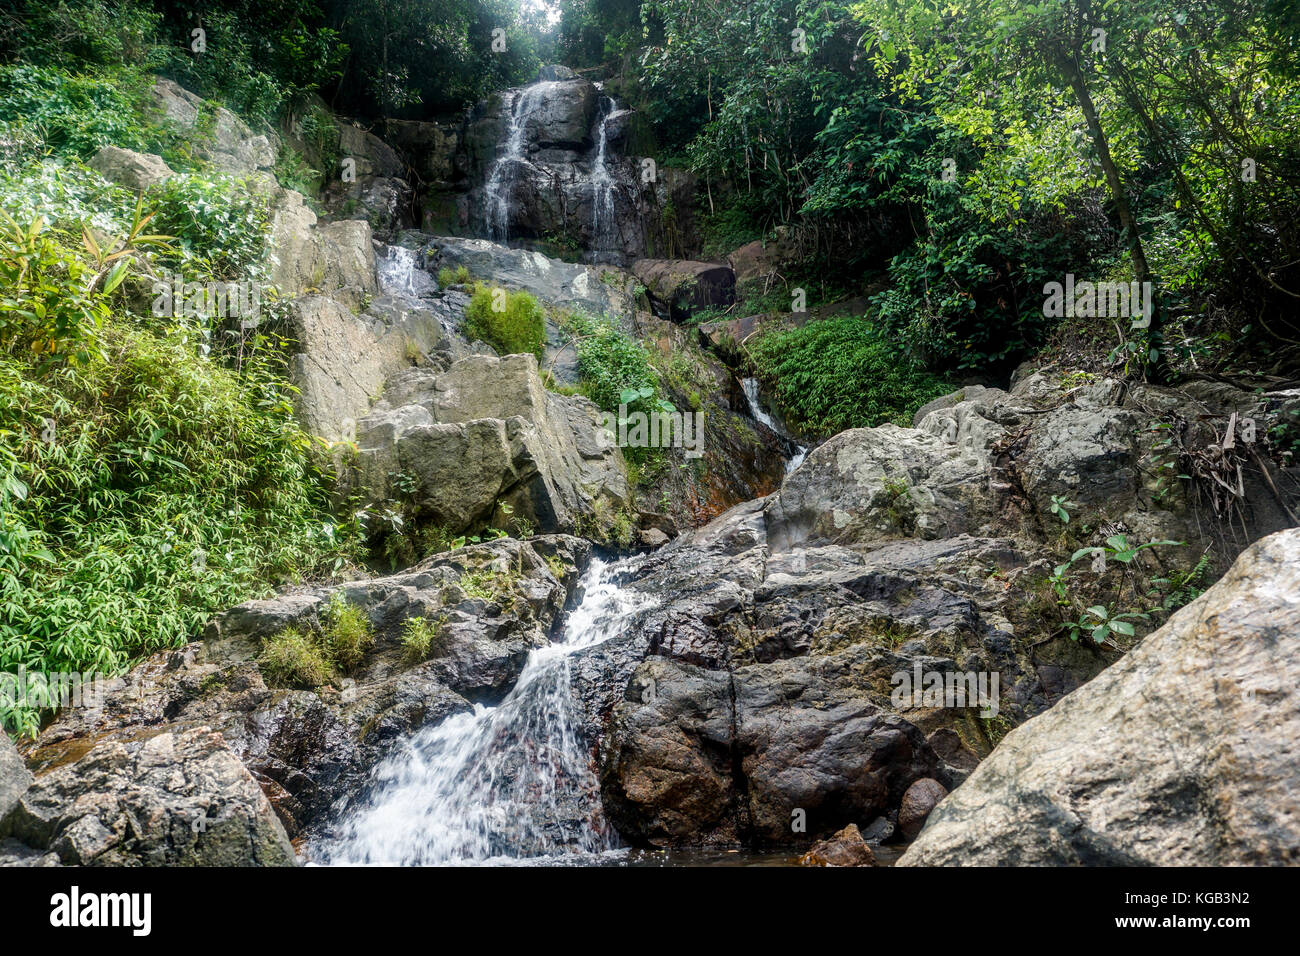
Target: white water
[
  {"x": 750, "y": 388},
  {"x": 399, "y": 275},
  {"x": 603, "y": 223},
  {"x": 500, "y": 784},
  {"x": 501, "y": 179}
]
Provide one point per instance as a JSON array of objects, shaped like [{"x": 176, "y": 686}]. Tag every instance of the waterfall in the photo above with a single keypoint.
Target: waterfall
[
  {"x": 750, "y": 387},
  {"x": 501, "y": 178},
  {"x": 399, "y": 275},
  {"x": 502, "y": 783},
  {"x": 604, "y": 228}
]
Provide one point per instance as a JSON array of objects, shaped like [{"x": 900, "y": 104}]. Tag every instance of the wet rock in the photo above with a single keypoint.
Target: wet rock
[
  {"x": 309, "y": 750},
  {"x": 169, "y": 797},
  {"x": 921, "y": 798},
  {"x": 678, "y": 288},
  {"x": 846, "y": 848},
  {"x": 1180, "y": 754},
  {"x": 14, "y": 777}
]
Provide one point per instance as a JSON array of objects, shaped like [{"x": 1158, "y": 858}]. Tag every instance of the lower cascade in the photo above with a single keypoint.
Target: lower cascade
[
  {"x": 498, "y": 784},
  {"x": 751, "y": 390}
]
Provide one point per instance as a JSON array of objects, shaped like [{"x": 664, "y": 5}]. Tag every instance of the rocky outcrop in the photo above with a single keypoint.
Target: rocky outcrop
[
  {"x": 135, "y": 171},
  {"x": 486, "y": 445},
  {"x": 344, "y": 359},
  {"x": 337, "y": 258},
  {"x": 14, "y": 777},
  {"x": 786, "y": 627},
  {"x": 679, "y": 288},
  {"x": 156, "y": 796},
  {"x": 1181, "y": 754},
  {"x": 217, "y": 135},
  {"x": 597, "y": 291},
  {"x": 179, "y": 736}
]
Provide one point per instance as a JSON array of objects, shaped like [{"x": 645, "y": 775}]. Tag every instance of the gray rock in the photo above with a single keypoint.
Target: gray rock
[
  {"x": 484, "y": 436},
  {"x": 14, "y": 776},
  {"x": 135, "y": 171},
  {"x": 1180, "y": 754},
  {"x": 158, "y": 797},
  {"x": 222, "y": 138}
]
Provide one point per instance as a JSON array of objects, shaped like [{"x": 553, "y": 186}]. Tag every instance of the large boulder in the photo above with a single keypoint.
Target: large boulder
[
  {"x": 336, "y": 258},
  {"x": 14, "y": 776},
  {"x": 678, "y": 288},
  {"x": 169, "y": 796},
  {"x": 343, "y": 358},
  {"x": 219, "y": 136},
  {"x": 486, "y": 444},
  {"x": 135, "y": 171},
  {"x": 557, "y": 114},
  {"x": 1181, "y": 754}
]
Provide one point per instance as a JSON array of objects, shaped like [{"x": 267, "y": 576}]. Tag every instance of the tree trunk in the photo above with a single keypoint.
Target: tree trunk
[{"x": 1157, "y": 369}]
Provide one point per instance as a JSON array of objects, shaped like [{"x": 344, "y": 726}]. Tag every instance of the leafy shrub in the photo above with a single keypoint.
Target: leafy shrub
[
  {"x": 292, "y": 658},
  {"x": 841, "y": 373},
  {"x": 142, "y": 492},
  {"x": 447, "y": 276},
  {"x": 220, "y": 229},
  {"x": 73, "y": 115},
  {"x": 420, "y": 636},
  {"x": 610, "y": 361},
  {"x": 348, "y": 634},
  {"x": 516, "y": 326}
]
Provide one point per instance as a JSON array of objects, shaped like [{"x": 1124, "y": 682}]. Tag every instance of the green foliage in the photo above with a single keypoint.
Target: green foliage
[
  {"x": 73, "y": 116},
  {"x": 220, "y": 228},
  {"x": 611, "y": 362},
  {"x": 510, "y": 322},
  {"x": 347, "y": 633},
  {"x": 422, "y": 636},
  {"x": 447, "y": 276},
  {"x": 292, "y": 658},
  {"x": 841, "y": 373}
]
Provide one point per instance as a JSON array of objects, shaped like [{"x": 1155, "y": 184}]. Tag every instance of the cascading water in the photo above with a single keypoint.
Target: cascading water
[
  {"x": 750, "y": 387},
  {"x": 501, "y": 178},
  {"x": 604, "y": 238},
  {"x": 398, "y": 274},
  {"x": 499, "y": 784}
]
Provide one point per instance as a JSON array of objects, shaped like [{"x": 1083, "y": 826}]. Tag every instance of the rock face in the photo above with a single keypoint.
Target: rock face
[
  {"x": 337, "y": 258},
  {"x": 559, "y": 284},
  {"x": 14, "y": 777},
  {"x": 764, "y": 679},
  {"x": 1180, "y": 754},
  {"x": 345, "y": 358},
  {"x": 175, "y": 735},
  {"x": 156, "y": 797},
  {"x": 486, "y": 444},
  {"x": 220, "y": 137},
  {"x": 135, "y": 171},
  {"x": 678, "y": 288}
]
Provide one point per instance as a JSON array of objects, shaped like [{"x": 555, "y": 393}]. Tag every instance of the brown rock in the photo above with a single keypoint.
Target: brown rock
[
  {"x": 921, "y": 797},
  {"x": 846, "y": 848}
]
